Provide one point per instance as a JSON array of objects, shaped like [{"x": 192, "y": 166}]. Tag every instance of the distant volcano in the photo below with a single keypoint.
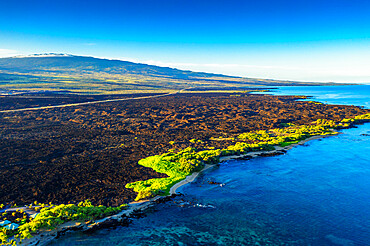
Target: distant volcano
[{"x": 56, "y": 71}]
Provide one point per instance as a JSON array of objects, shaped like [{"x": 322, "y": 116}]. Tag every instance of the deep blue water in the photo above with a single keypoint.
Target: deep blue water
[
  {"x": 346, "y": 95},
  {"x": 316, "y": 194}
]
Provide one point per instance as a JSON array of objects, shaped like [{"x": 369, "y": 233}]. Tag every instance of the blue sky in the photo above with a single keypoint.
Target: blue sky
[{"x": 295, "y": 40}]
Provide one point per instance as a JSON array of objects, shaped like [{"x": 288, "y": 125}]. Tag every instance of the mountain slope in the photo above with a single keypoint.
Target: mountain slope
[
  {"x": 81, "y": 64},
  {"x": 61, "y": 72}
]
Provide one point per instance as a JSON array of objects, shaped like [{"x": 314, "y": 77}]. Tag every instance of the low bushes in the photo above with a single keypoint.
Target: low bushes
[
  {"x": 187, "y": 161},
  {"x": 53, "y": 215}
]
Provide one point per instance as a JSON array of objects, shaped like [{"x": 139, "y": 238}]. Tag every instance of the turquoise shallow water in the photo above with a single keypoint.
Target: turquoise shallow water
[{"x": 316, "y": 194}]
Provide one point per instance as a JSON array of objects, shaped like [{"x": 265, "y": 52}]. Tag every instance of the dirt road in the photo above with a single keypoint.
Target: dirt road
[{"x": 86, "y": 103}]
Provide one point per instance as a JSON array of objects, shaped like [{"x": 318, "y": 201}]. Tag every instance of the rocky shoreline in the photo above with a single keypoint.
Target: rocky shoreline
[
  {"x": 124, "y": 217},
  {"x": 106, "y": 141}
]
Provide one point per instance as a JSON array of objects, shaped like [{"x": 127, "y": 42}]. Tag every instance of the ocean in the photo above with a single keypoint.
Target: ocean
[{"x": 315, "y": 194}]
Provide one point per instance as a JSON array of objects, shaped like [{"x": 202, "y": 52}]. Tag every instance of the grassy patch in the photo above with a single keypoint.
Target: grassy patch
[{"x": 185, "y": 162}]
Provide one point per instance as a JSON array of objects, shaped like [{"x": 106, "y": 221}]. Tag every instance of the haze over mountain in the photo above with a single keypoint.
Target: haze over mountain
[{"x": 64, "y": 72}]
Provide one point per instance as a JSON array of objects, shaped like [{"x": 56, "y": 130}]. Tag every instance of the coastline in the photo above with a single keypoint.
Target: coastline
[
  {"x": 123, "y": 217},
  {"x": 278, "y": 149},
  {"x": 189, "y": 179}
]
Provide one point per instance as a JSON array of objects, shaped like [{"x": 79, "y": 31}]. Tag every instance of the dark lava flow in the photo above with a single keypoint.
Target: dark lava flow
[{"x": 70, "y": 154}]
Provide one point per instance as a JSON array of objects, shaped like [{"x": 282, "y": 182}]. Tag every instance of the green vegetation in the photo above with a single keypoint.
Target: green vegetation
[
  {"x": 185, "y": 162},
  {"x": 78, "y": 74},
  {"x": 313, "y": 102},
  {"x": 195, "y": 141},
  {"x": 51, "y": 216},
  {"x": 176, "y": 165}
]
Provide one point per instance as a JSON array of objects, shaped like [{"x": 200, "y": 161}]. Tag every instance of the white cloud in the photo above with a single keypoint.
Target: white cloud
[{"x": 8, "y": 52}]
